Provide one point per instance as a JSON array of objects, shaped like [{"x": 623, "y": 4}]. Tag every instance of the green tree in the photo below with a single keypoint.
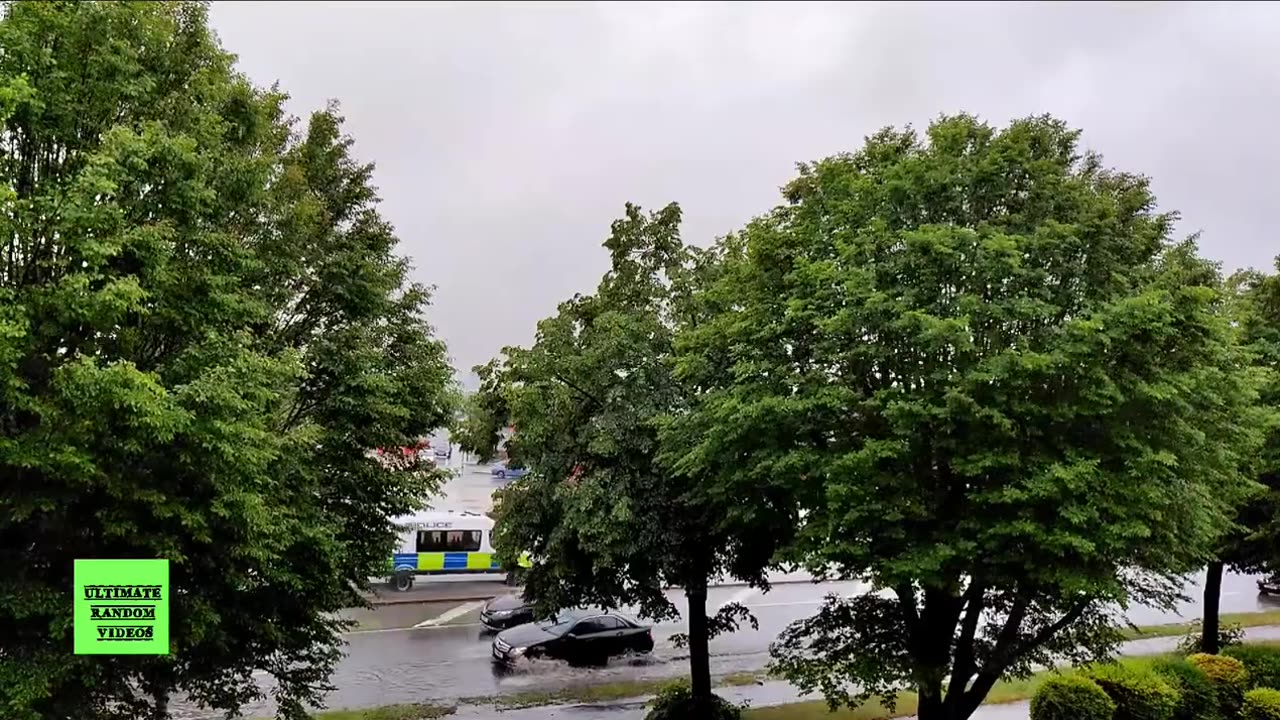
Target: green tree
[
  {"x": 484, "y": 415},
  {"x": 203, "y": 330},
  {"x": 998, "y": 392},
  {"x": 606, "y": 520},
  {"x": 1253, "y": 545}
]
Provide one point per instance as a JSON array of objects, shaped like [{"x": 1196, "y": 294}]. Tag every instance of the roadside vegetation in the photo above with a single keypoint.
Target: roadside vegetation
[
  {"x": 205, "y": 327},
  {"x": 972, "y": 365}
]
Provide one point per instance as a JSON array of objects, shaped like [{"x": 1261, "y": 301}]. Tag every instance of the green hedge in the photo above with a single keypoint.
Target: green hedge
[
  {"x": 1229, "y": 678},
  {"x": 1197, "y": 700},
  {"x": 1138, "y": 694},
  {"x": 1261, "y": 704},
  {"x": 1262, "y": 662},
  {"x": 1071, "y": 697}
]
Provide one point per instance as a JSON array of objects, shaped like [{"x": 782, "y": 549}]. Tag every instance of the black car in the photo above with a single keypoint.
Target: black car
[
  {"x": 505, "y": 611},
  {"x": 577, "y": 636},
  {"x": 1269, "y": 585}
]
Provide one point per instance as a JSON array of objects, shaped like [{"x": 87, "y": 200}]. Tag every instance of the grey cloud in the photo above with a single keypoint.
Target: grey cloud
[{"x": 507, "y": 136}]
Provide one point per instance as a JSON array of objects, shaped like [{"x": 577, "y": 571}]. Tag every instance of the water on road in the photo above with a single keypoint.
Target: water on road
[{"x": 390, "y": 664}]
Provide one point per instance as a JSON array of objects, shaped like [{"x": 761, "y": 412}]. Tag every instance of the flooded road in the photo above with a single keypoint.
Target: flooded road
[
  {"x": 450, "y": 662},
  {"x": 393, "y": 662}
]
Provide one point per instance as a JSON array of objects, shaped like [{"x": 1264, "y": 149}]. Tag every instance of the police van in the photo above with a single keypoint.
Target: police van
[{"x": 436, "y": 542}]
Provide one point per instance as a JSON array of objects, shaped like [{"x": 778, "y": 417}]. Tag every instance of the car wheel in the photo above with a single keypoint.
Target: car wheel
[{"x": 402, "y": 582}]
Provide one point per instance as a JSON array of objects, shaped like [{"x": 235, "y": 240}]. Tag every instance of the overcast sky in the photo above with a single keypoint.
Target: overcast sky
[{"x": 508, "y": 136}]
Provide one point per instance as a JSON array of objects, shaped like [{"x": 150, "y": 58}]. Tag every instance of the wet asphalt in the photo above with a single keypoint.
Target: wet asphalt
[{"x": 388, "y": 663}]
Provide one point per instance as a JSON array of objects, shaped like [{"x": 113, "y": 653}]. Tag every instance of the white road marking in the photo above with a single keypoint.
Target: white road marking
[
  {"x": 738, "y": 597},
  {"x": 786, "y": 604},
  {"x": 860, "y": 588},
  {"x": 451, "y": 614}
]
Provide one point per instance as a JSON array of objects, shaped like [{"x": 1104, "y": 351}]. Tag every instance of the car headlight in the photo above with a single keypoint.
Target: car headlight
[{"x": 517, "y": 652}]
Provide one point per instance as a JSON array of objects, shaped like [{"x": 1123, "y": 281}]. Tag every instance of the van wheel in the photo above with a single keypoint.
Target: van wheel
[{"x": 402, "y": 581}]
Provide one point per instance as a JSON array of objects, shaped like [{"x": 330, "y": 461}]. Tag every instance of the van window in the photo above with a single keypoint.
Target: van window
[{"x": 448, "y": 540}]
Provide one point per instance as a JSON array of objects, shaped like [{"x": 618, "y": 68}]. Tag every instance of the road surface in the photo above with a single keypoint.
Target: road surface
[
  {"x": 434, "y": 650},
  {"x": 450, "y": 659}
]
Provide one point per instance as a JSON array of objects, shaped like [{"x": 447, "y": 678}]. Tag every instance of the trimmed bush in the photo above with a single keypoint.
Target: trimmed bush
[
  {"x": 1197, "y": 700},
  {"x": 1229, "y": 679},
  {"x": 1071, "y": 697},
  {"x": 1138, "y": 694},
  {"x": 675, "y": 702},
  {"x": 1261, "y": 704},
  {"x": 1262, "y": 662}
]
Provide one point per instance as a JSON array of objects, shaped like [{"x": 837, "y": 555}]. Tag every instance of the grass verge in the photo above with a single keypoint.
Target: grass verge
[
  {"x": 1248, "y": 620},
  {"x": 390, "y": 712},
  {"x": 597, "y": 692}
]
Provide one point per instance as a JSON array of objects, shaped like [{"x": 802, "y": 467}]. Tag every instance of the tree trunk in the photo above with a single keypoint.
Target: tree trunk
[
  {"x": 161, "y": 711},
  {"x": 699, "y": 653},
  {"x": 930, "y": 705},
  {"x": 1212, "y": 597}
]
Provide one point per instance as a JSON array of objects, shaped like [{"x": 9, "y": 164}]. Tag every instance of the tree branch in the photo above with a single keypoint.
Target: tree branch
[
  {"x": 907, "y": 599},
  {"x": 1045, "y": 634},
  {"x": 965, "y": 663},
  {"x": 1001, "y": 660},
  {"x": 592, "y": 398}
]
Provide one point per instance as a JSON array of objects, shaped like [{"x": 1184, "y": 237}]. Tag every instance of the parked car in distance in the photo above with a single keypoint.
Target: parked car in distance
[
  {"x": 500, "y": 470},
  {"x": 505, "y": 611},
  {"x": 580, "y": 637},
  {"x": 1269, "y": 585}
]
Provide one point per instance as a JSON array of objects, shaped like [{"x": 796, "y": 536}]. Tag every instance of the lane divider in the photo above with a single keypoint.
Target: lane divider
[{"x": 451, "y": 614}]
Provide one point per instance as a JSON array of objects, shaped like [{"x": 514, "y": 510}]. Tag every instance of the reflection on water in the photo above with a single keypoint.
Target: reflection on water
[{"x": 470, "y": 489}]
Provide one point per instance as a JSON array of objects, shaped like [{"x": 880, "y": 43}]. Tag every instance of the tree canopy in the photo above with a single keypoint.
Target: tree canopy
[
  {"x": 204, "y": 329},
  {"x": 478, "y": 429},
  {"x": 997, "y": 390},
  {"x": 1252, "y": 545},
  {"x": 605, "y": 519}
]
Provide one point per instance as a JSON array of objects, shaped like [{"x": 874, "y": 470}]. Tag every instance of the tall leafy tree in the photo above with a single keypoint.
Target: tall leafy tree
[
  {"x": 1253, "y": 545},
  {"x": 484, "y": 415},
  {"x": 606, "y": 520},
  {"x": 203, "y": 330},
  {"x": 996, "y": 389}
]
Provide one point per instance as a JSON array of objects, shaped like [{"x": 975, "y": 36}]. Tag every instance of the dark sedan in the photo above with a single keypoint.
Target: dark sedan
[
  {"x": 581, "y": 637},
  {"x": 505, "y": 611},
  {"x": 1269, "y": 585}
]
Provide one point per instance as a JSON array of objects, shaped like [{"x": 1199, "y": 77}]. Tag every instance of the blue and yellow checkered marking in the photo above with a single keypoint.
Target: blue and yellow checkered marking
[{"x": 445, "y": 561}]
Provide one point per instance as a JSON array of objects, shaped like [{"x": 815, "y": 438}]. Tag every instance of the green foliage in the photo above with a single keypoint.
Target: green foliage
[
  {"x": 1071, "y": 697},
  {"x": 1197, "y": 699},
  {"x": 1261, "y": 662},
  {"x": 484, "y": 415},
  {"x": 675, "y": 701},
  {"x": 1138, "y": 694},
  {"x": 1229, "y": 677},
  {"x": 203, "y": 329},
  {"x": 1261, "y": 704},
  {"x": 998, "y": 390},
  {"x": 604, "y": 515},
  {"x": 1229, "y": 635}
]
